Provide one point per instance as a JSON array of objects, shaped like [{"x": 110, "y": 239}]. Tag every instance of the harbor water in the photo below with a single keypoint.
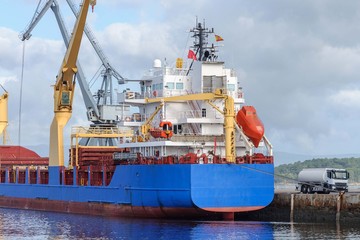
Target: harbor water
[{"x": 26, "y": 224}]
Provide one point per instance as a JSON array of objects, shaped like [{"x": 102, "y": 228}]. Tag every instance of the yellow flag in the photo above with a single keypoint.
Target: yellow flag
[{"x": 218, "y": 38}]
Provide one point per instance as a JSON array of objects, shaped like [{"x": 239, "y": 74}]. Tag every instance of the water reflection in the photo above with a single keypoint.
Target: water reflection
[
  {"x": 21, "y": 224},
  {"x": 316, "y": 231}
]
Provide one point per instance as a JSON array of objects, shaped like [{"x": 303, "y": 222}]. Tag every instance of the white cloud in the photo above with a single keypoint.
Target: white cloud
[
  {"x": 344, "y": 61},
  {"x": 5, "y": 79},
  {"x": 246, "y": 22},
  {"x": 348, "y": 98}
]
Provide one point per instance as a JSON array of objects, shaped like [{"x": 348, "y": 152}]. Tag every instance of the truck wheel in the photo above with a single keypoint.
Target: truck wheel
[
  {"x": 303, "y": 189},
  {"x": 326, "y": 189},
  {"x": 308, "y": 189}
]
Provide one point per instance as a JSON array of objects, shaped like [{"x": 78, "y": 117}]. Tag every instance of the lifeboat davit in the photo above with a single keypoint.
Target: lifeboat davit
[
  {"x": 252, "y": 126},
  {"x": 165, "y": 131}
]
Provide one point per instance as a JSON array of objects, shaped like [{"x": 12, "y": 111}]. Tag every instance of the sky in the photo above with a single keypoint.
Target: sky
[{"x": 297, "y": 61}]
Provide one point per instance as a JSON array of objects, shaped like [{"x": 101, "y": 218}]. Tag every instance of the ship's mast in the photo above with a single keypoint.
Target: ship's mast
[{"x": 201, "y": 34}]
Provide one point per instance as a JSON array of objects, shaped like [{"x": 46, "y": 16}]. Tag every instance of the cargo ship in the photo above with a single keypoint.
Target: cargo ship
[{"x": 188, "y": 147}]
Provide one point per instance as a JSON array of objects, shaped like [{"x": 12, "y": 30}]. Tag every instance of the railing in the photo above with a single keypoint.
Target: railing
[
  {"x": 124, "y": 156},
  {"x": 175, "y": 71},
  {"x": 176, "y": 92},
  {"x": 137, "y": 117},
  {"x": 79, "y": 130}
]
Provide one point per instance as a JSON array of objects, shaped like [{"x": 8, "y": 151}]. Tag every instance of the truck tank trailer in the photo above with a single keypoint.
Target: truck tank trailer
[{"x": 322, "y": 180}]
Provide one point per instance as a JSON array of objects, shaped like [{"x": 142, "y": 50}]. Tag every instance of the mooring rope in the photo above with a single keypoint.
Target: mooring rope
[{"x": 269, "y": 173}]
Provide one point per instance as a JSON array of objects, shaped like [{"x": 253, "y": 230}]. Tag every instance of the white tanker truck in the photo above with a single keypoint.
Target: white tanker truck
[{"x": 324, "y": 180}]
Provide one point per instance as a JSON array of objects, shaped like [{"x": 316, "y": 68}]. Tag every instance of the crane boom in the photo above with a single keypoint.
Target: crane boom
[
  {"x": 91, "y": 107},
  {"x": 97, "y": 47},
  {"x": 145, "y": 127},
  {"x": 101, "y": 111},
  {"x": 39, "y": 13},
  {"x": 63, "y": 94}
]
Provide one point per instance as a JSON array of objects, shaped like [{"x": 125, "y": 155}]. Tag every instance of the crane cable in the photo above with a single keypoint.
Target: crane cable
[
  {"x": 21, "y": 93},
  {"x": 269, "y": 173},
  {"x": 95, "y": 76}
]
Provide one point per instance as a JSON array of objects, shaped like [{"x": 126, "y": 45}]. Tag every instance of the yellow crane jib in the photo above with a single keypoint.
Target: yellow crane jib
[
  {"x": 145, "y": 128},
  {"x": 64, "y": 89}
]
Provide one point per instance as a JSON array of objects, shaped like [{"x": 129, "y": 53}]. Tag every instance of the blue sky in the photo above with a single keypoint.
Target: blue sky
[{"x": 298, "y": 61}]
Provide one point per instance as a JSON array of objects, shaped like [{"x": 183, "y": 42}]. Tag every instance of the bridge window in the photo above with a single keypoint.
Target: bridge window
[
  {"x": 231, "y": 87},
  {"x": 170, "y": 85},
  {"x": 179, "y": 85}
]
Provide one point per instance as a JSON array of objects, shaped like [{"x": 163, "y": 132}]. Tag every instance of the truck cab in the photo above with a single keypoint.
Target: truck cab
[{"x": 337, "y": 179}]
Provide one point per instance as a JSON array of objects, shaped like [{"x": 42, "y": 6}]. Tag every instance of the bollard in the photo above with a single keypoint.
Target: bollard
[
  {"x": 292, "y": 208},
  {"x": 338, "y": 205}
]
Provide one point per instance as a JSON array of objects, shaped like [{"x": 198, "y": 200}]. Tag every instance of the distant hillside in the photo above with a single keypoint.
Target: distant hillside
[
  {"x": 286, "y": 172},
  {"x": 287, "y": 158}
]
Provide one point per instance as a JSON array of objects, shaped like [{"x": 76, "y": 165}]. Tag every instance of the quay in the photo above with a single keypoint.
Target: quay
[{"x": 299, "y": 207}]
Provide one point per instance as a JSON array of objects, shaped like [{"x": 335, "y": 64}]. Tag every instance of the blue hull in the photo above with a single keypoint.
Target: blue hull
[{"x": 156, "y": 190}]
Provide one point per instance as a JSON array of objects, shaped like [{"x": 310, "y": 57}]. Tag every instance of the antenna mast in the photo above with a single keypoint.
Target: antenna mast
[{"x": 201, "y": 34}]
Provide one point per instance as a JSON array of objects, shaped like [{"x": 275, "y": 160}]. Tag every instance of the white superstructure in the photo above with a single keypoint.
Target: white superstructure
[{"x": 197, "y": 124}]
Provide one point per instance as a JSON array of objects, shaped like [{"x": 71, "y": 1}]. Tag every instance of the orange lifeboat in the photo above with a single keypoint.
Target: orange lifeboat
[
  {"x": 251, "y": 124},
  {"x": 165, "y": 131}
]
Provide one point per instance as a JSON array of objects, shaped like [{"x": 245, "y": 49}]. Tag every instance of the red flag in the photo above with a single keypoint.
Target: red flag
[
  {"x": 192, "y": 55},
  {"x": 218, "y": 38}
]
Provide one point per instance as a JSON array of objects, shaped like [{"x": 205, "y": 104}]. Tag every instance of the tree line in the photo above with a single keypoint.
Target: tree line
[{"x": 287, "y": 173}]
